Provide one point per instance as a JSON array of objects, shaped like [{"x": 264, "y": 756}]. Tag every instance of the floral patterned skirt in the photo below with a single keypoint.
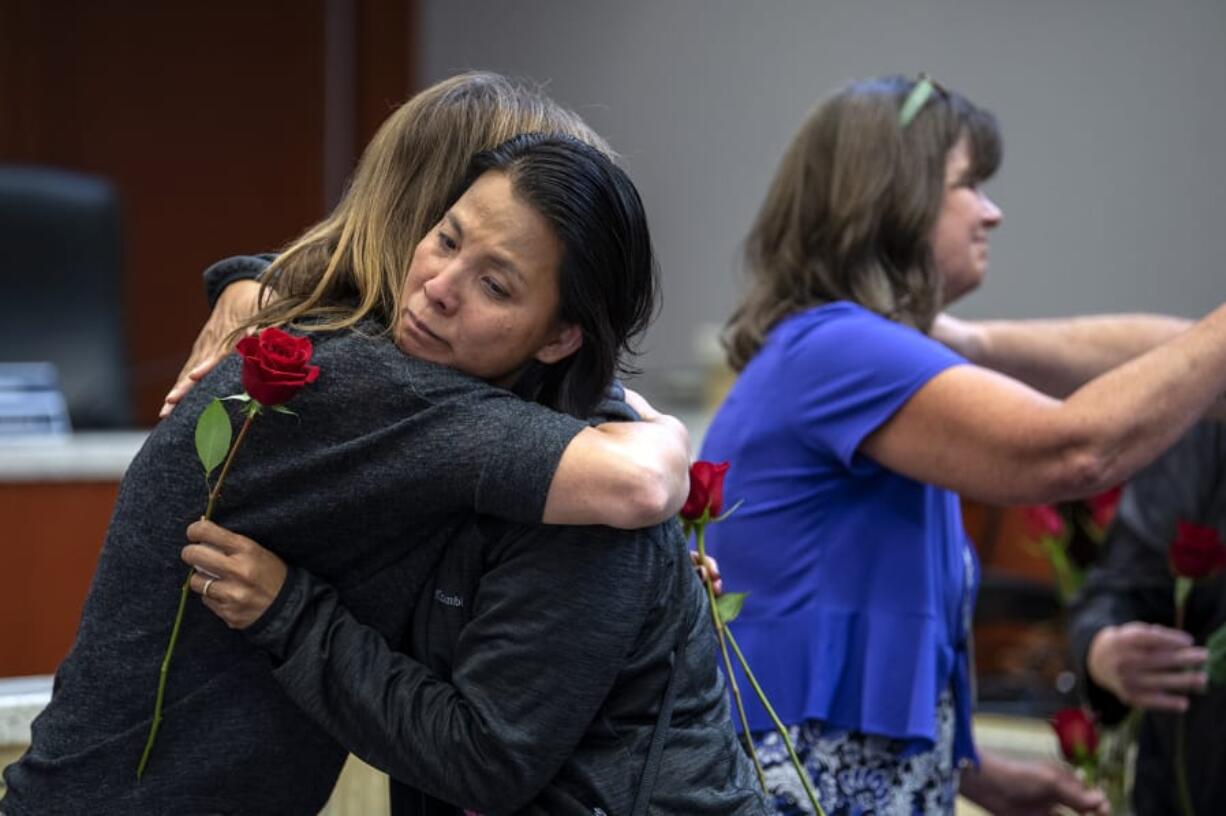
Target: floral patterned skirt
[{"x": 856, "y": 774}]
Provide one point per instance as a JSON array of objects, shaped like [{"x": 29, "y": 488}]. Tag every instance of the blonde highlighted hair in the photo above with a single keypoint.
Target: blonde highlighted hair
[
  {"x": 851, "y": 210},
  {"x": 352, "y": 264}
]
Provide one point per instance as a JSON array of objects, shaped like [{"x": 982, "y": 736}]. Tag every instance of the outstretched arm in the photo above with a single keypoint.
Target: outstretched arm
[
  {"x": 1058, "y": 355},
  {"x": 995, "y": 439}
]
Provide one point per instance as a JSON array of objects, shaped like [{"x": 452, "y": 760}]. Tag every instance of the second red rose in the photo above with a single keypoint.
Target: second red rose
[
  {"x": 706, "y": 490},
  {"x": 1197, "y": 551}
]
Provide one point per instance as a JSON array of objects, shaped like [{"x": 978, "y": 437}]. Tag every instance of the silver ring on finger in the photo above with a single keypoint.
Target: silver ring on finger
[{"x": 208, "y": 583}]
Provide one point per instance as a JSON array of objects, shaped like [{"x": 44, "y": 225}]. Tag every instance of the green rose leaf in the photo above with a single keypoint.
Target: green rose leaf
[
  {"x": 1217, "y": 657},
  {"x": 729, "y": 605},
  {"x": 213, "y": 434}
]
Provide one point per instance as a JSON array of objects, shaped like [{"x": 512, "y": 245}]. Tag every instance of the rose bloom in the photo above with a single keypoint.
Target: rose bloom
[
  {"x": 1102, "y": 506},
  {"x": 1197, "y": 551},
  {"x": 1077, "y": 734},
  {"x": 276, "y": 365},
  {"x": 706, "y": 490},
  {"x": 1042, "y": 521}
]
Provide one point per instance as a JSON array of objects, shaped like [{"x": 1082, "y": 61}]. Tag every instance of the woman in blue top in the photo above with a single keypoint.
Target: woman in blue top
[{"x": 850, "y": 432}]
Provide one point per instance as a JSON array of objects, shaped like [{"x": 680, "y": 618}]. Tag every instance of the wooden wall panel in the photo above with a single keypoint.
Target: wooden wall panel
[
  {"x": 210, "y": 118},
  {"x": 52, "y": 536}
]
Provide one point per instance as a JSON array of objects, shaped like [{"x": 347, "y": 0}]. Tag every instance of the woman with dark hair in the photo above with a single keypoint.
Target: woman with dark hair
[
  {"x": 392, "y": 455},
  {"x": 606, "y": 268},
  {"x": 850, "y": 433}
]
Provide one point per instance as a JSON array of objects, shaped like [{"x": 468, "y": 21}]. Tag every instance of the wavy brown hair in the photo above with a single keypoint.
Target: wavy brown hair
[
  {"x": 851, "y": 210},
  {"x": 352, "y": 264}
]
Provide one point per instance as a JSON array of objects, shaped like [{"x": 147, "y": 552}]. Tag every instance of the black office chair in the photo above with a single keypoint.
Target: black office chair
[{"x": 62, "y": 270}]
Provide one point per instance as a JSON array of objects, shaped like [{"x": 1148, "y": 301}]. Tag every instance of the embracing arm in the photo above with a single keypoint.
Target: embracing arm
[
  {"x": 622, "y": 474},
  {"x": 233, "y": 290},
  {"x": 532, "y": 667},
  {"x": 992, "y": 438}
]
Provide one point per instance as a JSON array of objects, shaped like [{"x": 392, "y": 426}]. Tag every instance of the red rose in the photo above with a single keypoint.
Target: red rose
[
  {"x": 275, "y": 365},
  {"x": 1042, "y": 521},
  {"x": 1077, "y": 734},
  {"x": 1102, "y": 507},
  {"x": 706, "y": 490},
  {"x": 1197, "y": 551}
]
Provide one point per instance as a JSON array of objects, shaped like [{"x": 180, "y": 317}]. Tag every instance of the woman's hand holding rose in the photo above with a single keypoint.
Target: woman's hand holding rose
[{"x": 243, "y": 578}]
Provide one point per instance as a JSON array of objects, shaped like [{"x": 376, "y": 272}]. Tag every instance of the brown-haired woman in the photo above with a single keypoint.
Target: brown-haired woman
[{"x": 851, "y": 431}]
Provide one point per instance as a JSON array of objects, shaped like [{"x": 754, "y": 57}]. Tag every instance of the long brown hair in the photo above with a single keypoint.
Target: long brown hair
[
  {"x": 352, "y": 264},
  {"x": 851, "y": 210}
]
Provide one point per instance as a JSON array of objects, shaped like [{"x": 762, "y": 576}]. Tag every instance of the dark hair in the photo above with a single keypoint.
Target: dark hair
[
  {"x": 607, "y": 278},
  {"x": 850, "y": 213}
]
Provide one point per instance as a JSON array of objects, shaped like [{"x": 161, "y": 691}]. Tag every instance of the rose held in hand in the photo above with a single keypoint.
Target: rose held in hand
[
  {"x": 276, "y": 366},
  {"x": 1197, "y": 551},
  {"x": 706, "y": 491},
  {"x": 1077, "y": 734}
]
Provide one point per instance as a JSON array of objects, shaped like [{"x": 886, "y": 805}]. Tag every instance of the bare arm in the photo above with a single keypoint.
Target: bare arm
[
  {"x": 992, "y": 438},
  {"x": 1057, "y": 356},
  {"x": 623, "y": 474}
]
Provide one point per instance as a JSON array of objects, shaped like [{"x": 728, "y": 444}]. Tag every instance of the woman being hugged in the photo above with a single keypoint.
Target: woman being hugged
[{"x": 851, "y": 432}]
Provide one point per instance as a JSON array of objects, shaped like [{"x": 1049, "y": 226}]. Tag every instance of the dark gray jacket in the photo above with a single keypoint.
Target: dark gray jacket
[{"x": 385, "y": 452}]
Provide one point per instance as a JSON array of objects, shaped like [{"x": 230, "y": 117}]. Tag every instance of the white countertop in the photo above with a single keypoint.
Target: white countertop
[
  {"x": 80, "y": 457},
  {"x": 21, "y": 698}
]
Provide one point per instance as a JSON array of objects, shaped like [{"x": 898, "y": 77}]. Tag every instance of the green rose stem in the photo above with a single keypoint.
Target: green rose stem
[
  {"x": 252, "y": 411},
  {"x": 1089, "y": 766},
  {"x": 1183, "y": 587},
  {"x": 700, "y": 531},
  {"x": 725, "y": 637},
  {"x": 787, "y": 741},
  {"x": 1068, "y": 580}
]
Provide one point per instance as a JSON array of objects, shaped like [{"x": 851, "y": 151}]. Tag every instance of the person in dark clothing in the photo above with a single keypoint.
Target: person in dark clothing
[{"x": 1122, "y": 634}]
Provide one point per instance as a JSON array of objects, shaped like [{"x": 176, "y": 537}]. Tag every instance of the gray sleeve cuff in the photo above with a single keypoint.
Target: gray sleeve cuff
[{"x": 225, "y": 272}]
